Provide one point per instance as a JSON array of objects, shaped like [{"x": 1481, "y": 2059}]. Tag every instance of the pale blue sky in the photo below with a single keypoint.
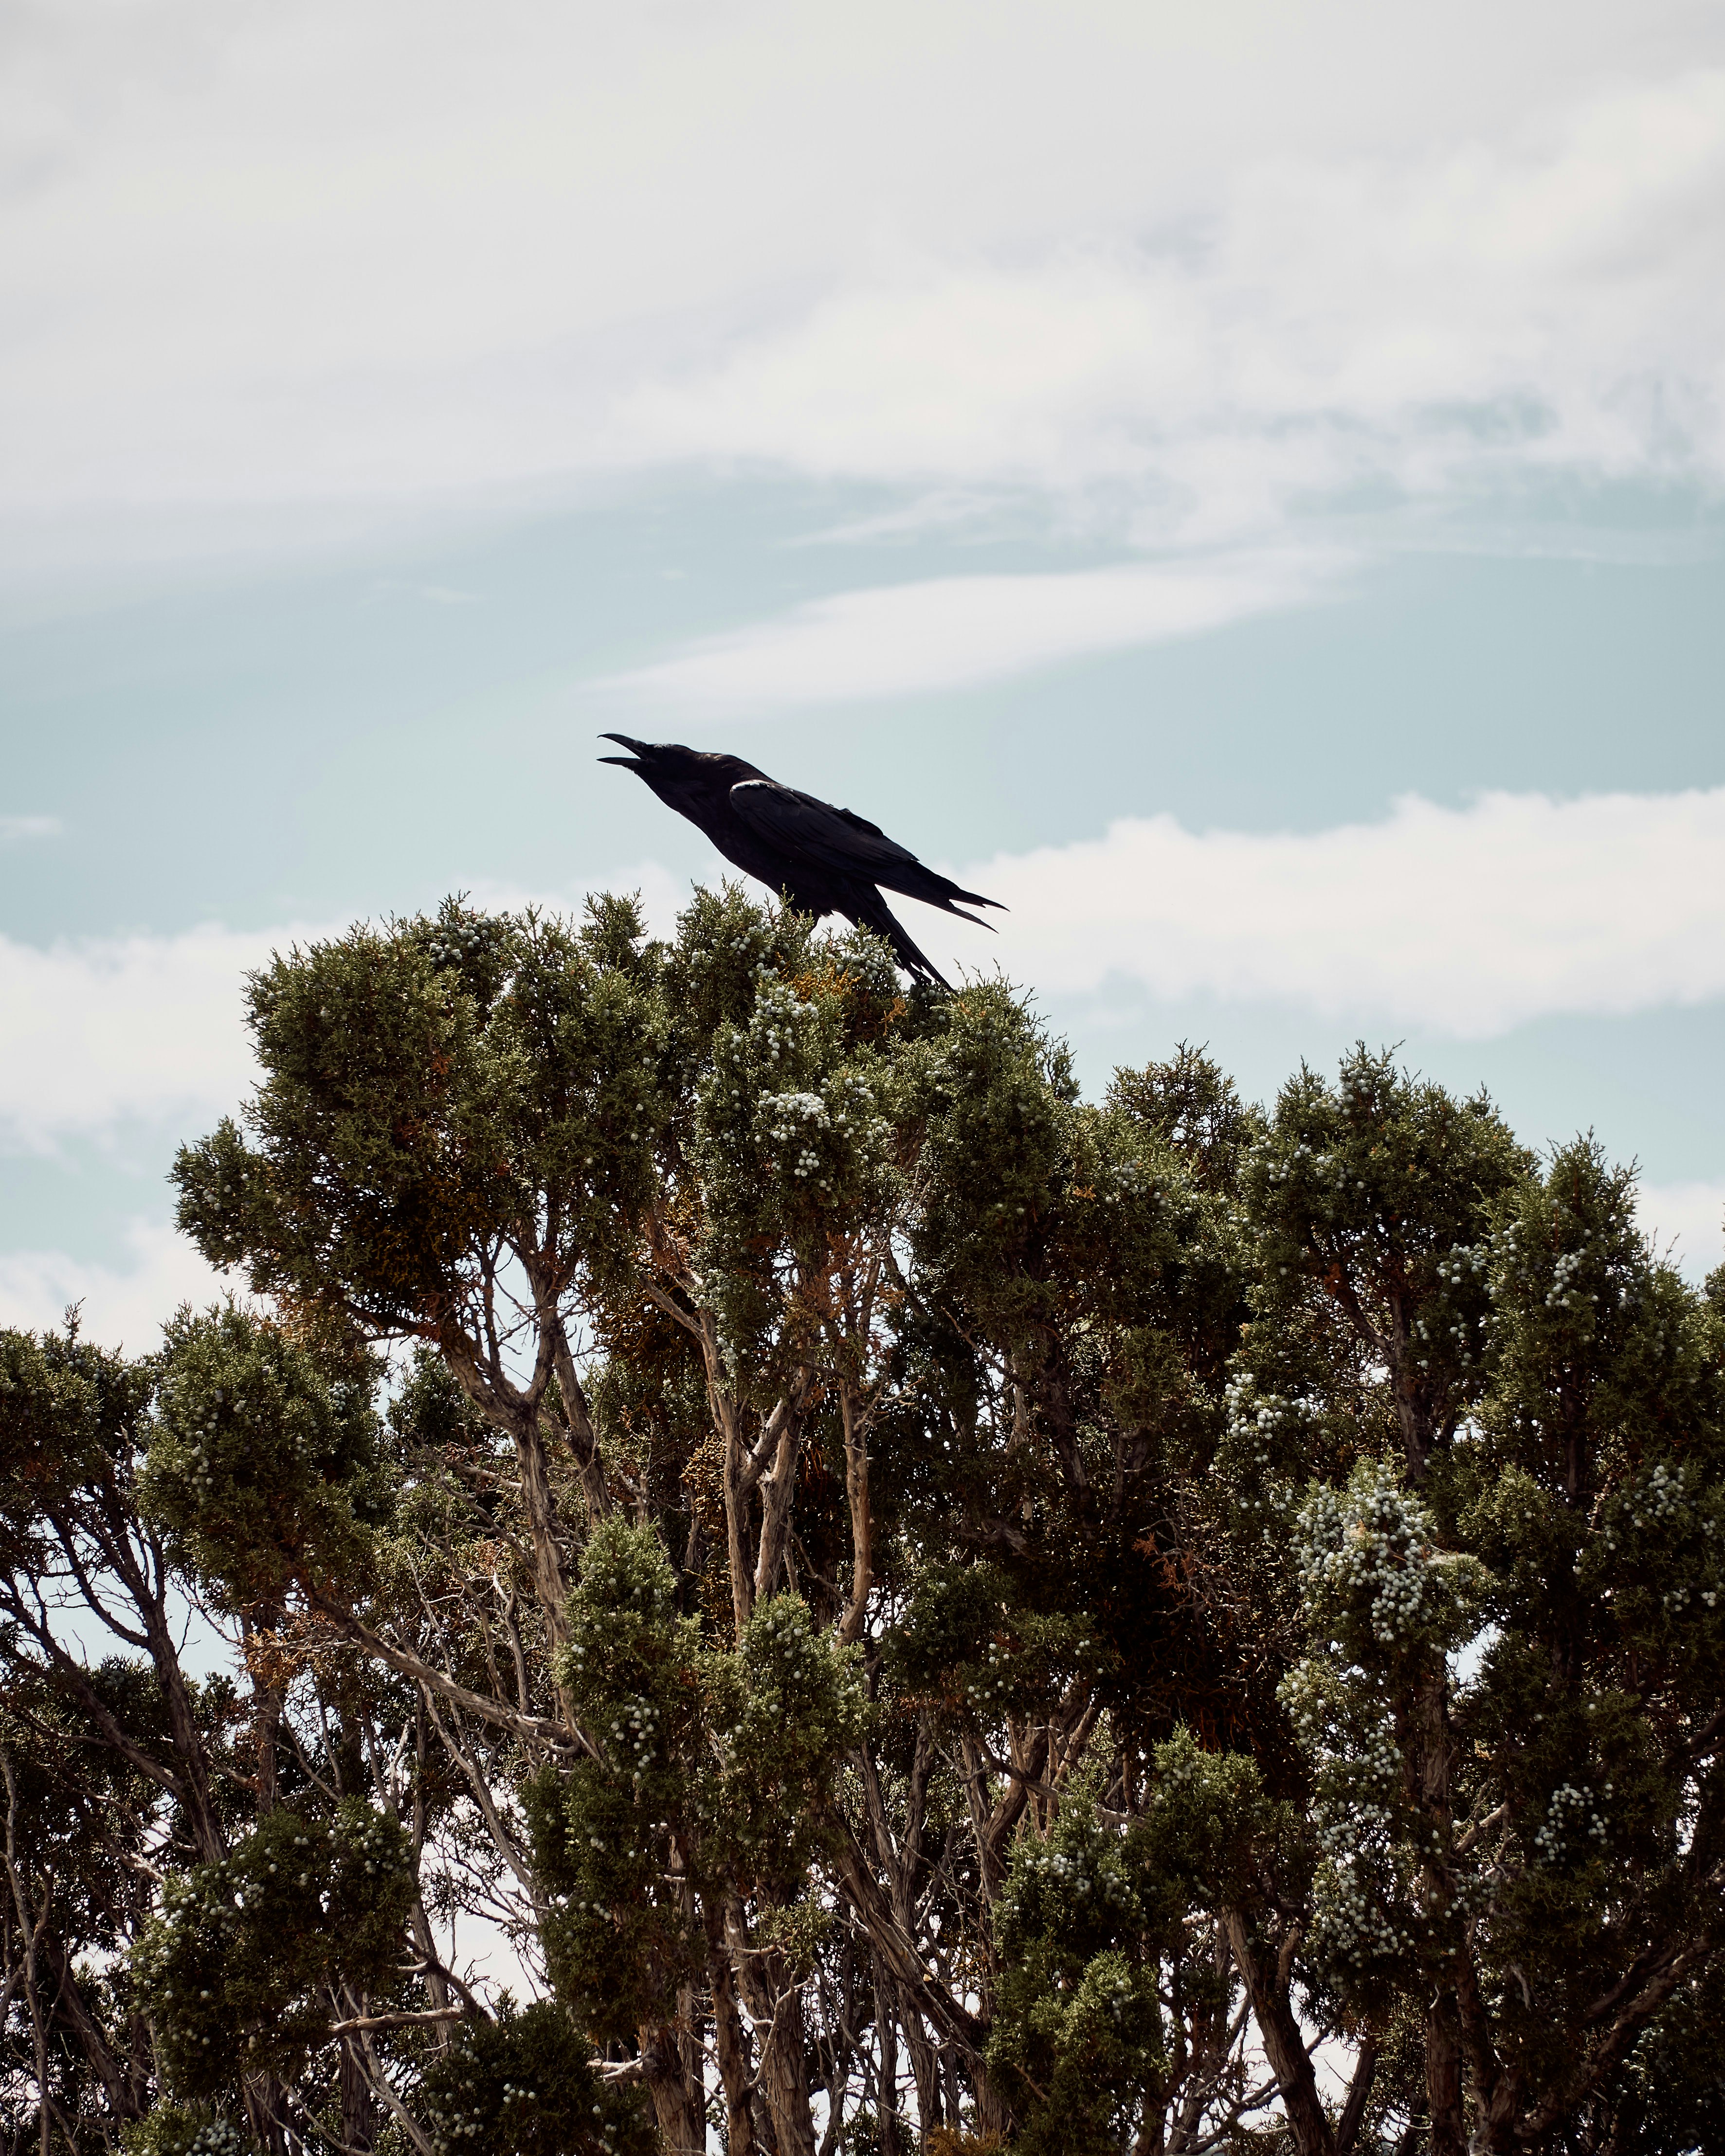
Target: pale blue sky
[{"x": 1252, "y": 464}]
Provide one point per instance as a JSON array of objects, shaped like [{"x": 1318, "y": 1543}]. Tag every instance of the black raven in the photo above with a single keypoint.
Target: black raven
[{"x": 823, "y": 860}]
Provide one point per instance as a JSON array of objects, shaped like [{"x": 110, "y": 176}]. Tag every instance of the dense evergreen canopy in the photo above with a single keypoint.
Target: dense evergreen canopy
[{"x": 923, "y": 1611}]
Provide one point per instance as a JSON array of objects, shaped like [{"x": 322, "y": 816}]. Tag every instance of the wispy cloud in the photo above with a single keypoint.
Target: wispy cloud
[
  {"x": 122, "y": 1305},
  {"x": 1438, "y": 323},
  {"x": 105, "y": 1031},
  {"x": 440, "y": 595},
  {"x": 94, "y": 1033},
  {"x": 1687, "y": 1221},
  {"x": 1205, "y": 267},
  {"x": 944, "y": 632},
  {"x": 12, "y": 828},
  {"x": 1465, "y": 920}
]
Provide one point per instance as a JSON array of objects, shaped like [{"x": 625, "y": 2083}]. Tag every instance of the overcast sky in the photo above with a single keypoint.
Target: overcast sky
[{"x": 1242, "y": 485}]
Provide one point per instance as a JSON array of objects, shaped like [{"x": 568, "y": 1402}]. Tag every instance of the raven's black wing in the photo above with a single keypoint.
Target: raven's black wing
[{"x": 845, "y": 845}]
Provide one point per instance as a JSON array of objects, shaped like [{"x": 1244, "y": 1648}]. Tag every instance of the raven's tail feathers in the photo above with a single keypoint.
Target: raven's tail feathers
[{"x": 914, "y": 881}]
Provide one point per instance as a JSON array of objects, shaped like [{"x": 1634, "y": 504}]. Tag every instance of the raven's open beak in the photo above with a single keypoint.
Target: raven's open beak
[{"x": 629, "y": 763}]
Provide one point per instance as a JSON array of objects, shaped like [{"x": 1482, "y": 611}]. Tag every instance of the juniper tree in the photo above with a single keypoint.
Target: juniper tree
[
  {"x": 924, "y": 1605},
  {"x": 848, "y": 1298},
  {"x": 1484, "y": 1424},
  {"x": 173, "y": 1977}
]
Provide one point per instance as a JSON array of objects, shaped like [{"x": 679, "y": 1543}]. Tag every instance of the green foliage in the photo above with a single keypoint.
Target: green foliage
[
  {"x": 172, "y": 2129},
  {"x": 788, "y": 1708},
  {"x": 1377, "y": 1588},
  {"x": 999, "y": 1108},
  {"x": 1083, "y": 2051},
  {"x": 1383, "y": 1606},
  {"x": 607, "y": 1831},
  {"x": 263, "y": 1461},
  {"x": 428, "y": 1088},
  {"x": 1208, "y": 1829},
  {"x": 1191, "y": 1106},
  {"x": 706, "y": 1762},
  {"x": 1594, "y": 1493},
  {"x": 522, "y": 2086},
  {"x": 794, "y": 1141},
  {"x": 1107, "y": 1945},
  {"x": 234, "y": 1971},
  {"x": 1669, "y": 2098},
  {"x": 1503, "y": 1669},
  {"x": 68, "y": 1412},
  {"x": 967, "y": 1645},
  {"x": 1372, "y": 1203},
  {"x": 1078, "y": 2031}
]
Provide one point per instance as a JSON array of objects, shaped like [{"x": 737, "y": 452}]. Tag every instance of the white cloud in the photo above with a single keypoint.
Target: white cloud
[
  {"x": 105, "y": 1031},
  {"x": 95, "y": 1032},
  {"x": 1685, "y": 1217},
  {"x": 895, "y": 639},
  {"x": 14, "y": 827},
  {"x": 1437, "y": 321},
  {"x": 1210, "y": 262},
  {"x": 121, "y": 1306},
  {"x": 1469, "y": 920}
]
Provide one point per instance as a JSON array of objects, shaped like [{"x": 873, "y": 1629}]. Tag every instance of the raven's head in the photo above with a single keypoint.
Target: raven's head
[
  {"x": 640, "y": 752},
  {"x": 680, "y": 775},
  {"x": 644, "y": 755}
]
